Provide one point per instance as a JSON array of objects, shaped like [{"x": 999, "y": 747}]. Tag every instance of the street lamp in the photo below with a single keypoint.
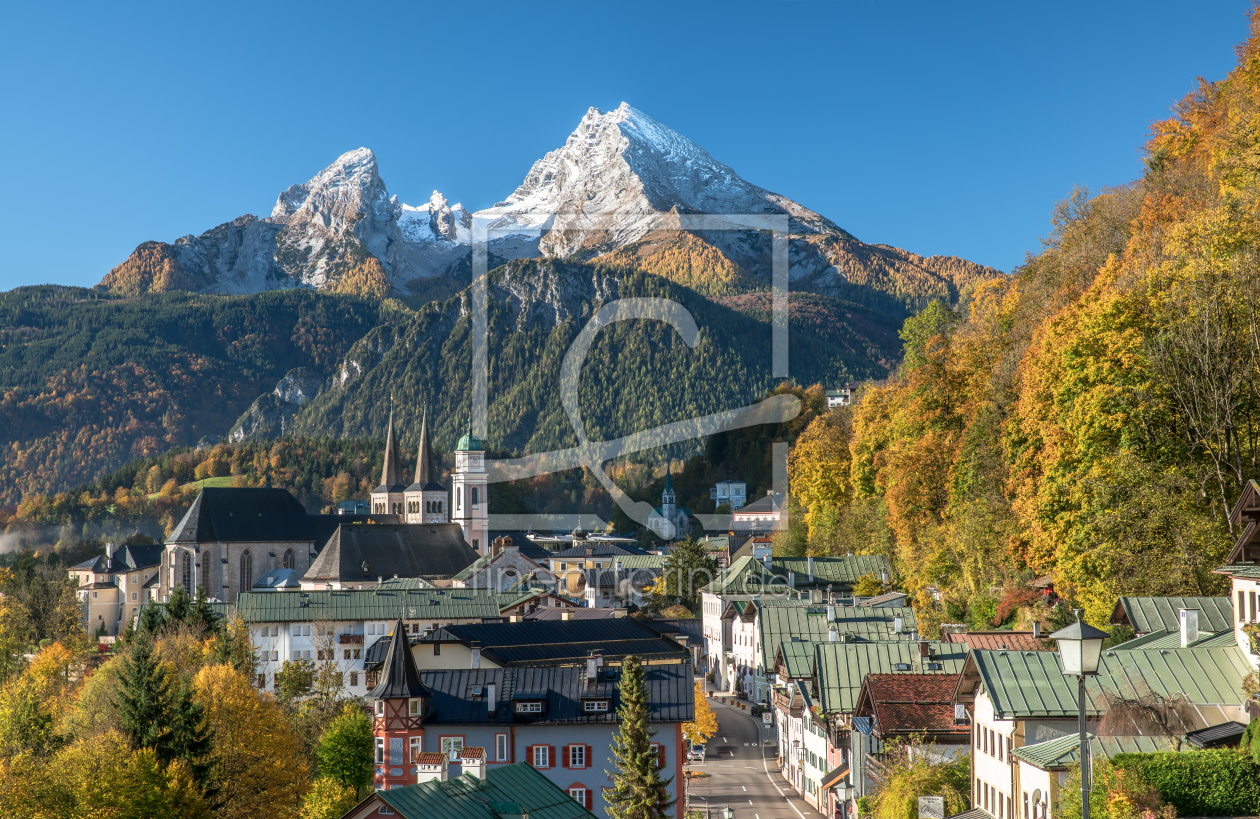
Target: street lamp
[
  {"x": 844, "y": 792},
  {"x": 727, "y": 813},
  {"x": 1080, "y": 648}
]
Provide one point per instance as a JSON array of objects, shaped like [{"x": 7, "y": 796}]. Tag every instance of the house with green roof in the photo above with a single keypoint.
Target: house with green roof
[
  {"x": 510, "y": 791},
  {"x": 1021, "y": 698},
  {"x": 1146, "y": 615}
]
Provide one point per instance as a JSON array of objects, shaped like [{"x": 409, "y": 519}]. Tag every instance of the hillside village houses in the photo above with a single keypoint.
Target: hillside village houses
[{"x": 112, "y": 587}]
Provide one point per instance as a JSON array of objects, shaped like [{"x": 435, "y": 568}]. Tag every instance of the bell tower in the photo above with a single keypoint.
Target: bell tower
[
  {"x": 387, "y": 499},
  {"x": 471, "y": 503},
  {"x": 427, "y": 500},
  {"x": 398, "y": 702}
]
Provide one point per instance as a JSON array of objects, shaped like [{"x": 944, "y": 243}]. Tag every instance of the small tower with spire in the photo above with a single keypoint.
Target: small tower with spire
[
  {"x": 388, "y": 498},
  {"x": 667, "y": 496},
  {"x": 398, "y": 702},
  {"x": 426, "y": 498},
  {"x": 468, "y": 491}
]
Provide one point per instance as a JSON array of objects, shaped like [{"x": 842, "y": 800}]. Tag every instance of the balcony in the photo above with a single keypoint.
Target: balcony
[{"x": 793, "y": 705}]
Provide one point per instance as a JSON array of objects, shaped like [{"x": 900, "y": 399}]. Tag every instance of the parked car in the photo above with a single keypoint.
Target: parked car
[{"x": 696, "y": 754}]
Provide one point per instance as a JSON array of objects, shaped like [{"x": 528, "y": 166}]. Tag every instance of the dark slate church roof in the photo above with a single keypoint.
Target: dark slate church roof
[
  {"x": 231, "y": 514},
  {"x": 400, "y": 678},
  {"x": 428, "y": 550}
]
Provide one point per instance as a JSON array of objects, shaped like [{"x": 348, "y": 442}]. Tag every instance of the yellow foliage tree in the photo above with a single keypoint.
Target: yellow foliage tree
[
  {"x": 705, "y": 725},
  {"x": 258, "y": 761}
]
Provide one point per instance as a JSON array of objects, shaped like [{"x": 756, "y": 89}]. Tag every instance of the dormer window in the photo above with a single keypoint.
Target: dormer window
[
  {"x": 595, "y": 706},
  {"x": 531, "y": 707}
]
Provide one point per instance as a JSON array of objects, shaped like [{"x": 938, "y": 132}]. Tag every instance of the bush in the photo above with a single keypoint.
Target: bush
[
  {"x": 1201, "y": 783},
  {"x": 981, "y": 612}
]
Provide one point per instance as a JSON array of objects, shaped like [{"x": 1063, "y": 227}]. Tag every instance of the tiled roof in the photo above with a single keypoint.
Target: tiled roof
[
  {"x": 472, "y": 753},
  {"x": 1062, "y": 753},
  {"x": 910, "y": 703},
  {"x": 1147, "y": 614},
  {"x": 1029, "y": 684},
  {"x": 431, "y": 758},
  {"x": 780, "y": 621},
  {"x": 467, "y": 797},
  {"x": 428, "y": 550},
  {"x": 671, "y": 694},
  {"x": 998, "y": 640},
  {"x": 842, "y": 667}
]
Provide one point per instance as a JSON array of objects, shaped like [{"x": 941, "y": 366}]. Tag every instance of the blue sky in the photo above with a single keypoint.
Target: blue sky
[{"x": 939, "y": 127}]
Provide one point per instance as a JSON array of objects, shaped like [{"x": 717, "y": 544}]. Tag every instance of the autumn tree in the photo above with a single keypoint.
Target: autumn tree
[
  {"x": 705, "y": 725},
  {"x": 345, "y": 750}
]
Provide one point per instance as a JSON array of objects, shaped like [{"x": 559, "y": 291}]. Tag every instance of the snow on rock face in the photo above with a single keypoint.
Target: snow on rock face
[{"x": 615, "y": 177}]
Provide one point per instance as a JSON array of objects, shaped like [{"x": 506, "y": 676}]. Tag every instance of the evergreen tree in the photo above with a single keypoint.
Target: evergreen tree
[
  {"x": 688, "y": 569},
  {"x": 638, "y": 791},
  {"x": 232, "y": 647},
  {"x": 190, "y": 738},
  {"x": 150, "y": 620},
  {"x": 144, "y": 700},
  {"x": 178, "y": 605},
  {"x": 201, "y": 616},
  {"x": 129, "y": 633}
]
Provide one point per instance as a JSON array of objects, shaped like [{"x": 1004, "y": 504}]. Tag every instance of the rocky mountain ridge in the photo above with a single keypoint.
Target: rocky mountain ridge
[{"x": 619, "y": 178}]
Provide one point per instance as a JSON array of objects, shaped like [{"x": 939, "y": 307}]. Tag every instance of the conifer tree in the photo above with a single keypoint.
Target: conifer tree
[
  {"x": 150, "y": 619},
  {"x": 178, "y": 605},
  {"x": 190, "y": 738},
  {"x": 201, "y": 616},
  {"x": 638, "y": 791},
  {"x": 144, "y": 699}
]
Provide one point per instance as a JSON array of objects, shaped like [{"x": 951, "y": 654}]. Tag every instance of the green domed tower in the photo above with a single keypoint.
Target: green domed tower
[{"x": 469, "y": 495}]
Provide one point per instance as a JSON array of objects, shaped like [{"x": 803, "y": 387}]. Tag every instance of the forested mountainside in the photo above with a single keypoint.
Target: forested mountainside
[
  {"x": 89, "y": 381},
  {"x": 1092, "y": 417},
  {"x": 92, "y": 380},
  {"x": 637, "y": 375}
]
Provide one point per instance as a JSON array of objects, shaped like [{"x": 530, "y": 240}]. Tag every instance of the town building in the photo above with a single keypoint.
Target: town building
[
  {"x": 669, "y": 521},
  {"x": 764, "y": 515},
  {"x": 1151, "y": 615},
  {"x": 1242, "y": 566},
  {"x": 511, "y": 791},
  {"x": 569, "y": 566},
  {"x": 731, "y": 493},
  {"x": 844, "y": 396},
  {"x": 112, "y": 587},
  {"x": 1042, "y": 769},
  {"x": 503, "y": 566},
  {"x": 560, "y": 720},
  {"x": 619, "y": 586}
]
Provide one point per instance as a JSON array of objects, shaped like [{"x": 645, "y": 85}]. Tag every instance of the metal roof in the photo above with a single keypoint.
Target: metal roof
[
  {"x": 126, "y": 559},
  {"x": 561, "y": 642},
  {"x": 429, "y": 550},
  {"x": 1250, "y": 571},
  {"x": 797, "y": 657},
  {"x": 381, "y": 603},
  {"x": 1172, "y": 639},
  {"x": 595, "y": 548},
  {"x": 842, "y": 667},
  {"x": 515, "y": 788},
  {"x": 1064, "y": 752},
  {"x": 839, "y": 571},
  {"x": 671, "y": 694},
  {"x": 400, "y": 679},
  {"x": 781, "y": 620},
  {"x": 1216, "y": 736},
  {"x": 744, "y": 576},
  {"x": 1029, "y": 684},
  {"x": 238, "y": 514},
  {"x": 1147, "y": 614}
]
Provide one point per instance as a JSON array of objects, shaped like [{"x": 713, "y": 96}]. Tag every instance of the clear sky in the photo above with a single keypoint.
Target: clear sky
[{"x": 939, "y": 127}]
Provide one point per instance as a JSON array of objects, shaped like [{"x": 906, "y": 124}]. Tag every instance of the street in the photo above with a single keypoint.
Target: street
[{"x": 742, "y": 773}]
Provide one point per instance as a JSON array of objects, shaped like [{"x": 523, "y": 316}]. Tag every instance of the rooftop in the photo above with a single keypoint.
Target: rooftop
[
  {"x": 911, "y": 703},
  {"x": 249, "y": 515},
  {"x": 842, "y": 667},
  {"x": 466, "y": 797},
  {"x": 998, "y": 640},
  {"x": 381, "y": 603},
  {"x": 1147, "y": 614},
  {"x": 1062, "y": 753},
  {"x": 429, "y": 550},
  {"x": 563, "y": 642},
  {"x": 781, "y": 621}
]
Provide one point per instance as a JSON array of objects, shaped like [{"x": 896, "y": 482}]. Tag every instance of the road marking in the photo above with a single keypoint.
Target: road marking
[
  {"x": 745, "y": 787},
  {"x": 750, "y": 801}
]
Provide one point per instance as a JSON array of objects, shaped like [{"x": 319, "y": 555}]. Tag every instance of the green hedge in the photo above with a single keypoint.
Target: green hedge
[{"x": 1201, "y": 783}]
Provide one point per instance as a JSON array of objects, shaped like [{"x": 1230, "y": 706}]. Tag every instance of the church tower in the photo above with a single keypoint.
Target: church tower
[
  {"x": 426, "y": 497},
  {"x": 387, "y": 499},
  {"x": 667, "y": 497},
  {"x": 468, "y": 491},
  {"x": 398, "y": 702}
]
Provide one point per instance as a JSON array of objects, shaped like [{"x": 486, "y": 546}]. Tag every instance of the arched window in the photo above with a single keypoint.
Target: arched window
[
  {"x": 474, "y": 497},
  {"x": 247, "y": 571},
  {"x": 288, "y": 559},
  {"x": 187, "y": 572}
]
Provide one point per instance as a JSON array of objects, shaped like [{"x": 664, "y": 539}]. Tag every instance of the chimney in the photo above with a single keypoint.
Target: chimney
[
  {"x": 791, "y": 580},
  {"x": 431, "y": 766},
  {"x": 109, "y": 552},
  {"x": 883, "y": 577},
  {"x": 617, "y": 566},
  {"x": 590, "y": 670},
  {"x": 566, "y": 615},
  {"x": 1036, "y": 630},
  {"x": 832, "y": 634},
  {"x": 897, "y": 624},
  {"x": 476, "y": 656},
  {"x": 1189, "y": 626},
  {"x": 815, "y": 595},
  {"x": 766, "y": 560},
  {"x": 491, "y": 705},
  {"x": 831, "y": 614},
  {"x": 809, "y": 563},
  {"x": 925, "y": 648},
  {"x": 473, "y": 761}
]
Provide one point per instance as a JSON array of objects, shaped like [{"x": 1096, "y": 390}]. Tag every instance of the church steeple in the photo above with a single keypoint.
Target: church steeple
[
  {"x": 389, "y": 472},
  {"x": 387, "y": 499},
  {"x": 425, "y": 473}
]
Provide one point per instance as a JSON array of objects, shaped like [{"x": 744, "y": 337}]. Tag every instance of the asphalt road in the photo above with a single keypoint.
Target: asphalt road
[{"x": 742, "y": 773}]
